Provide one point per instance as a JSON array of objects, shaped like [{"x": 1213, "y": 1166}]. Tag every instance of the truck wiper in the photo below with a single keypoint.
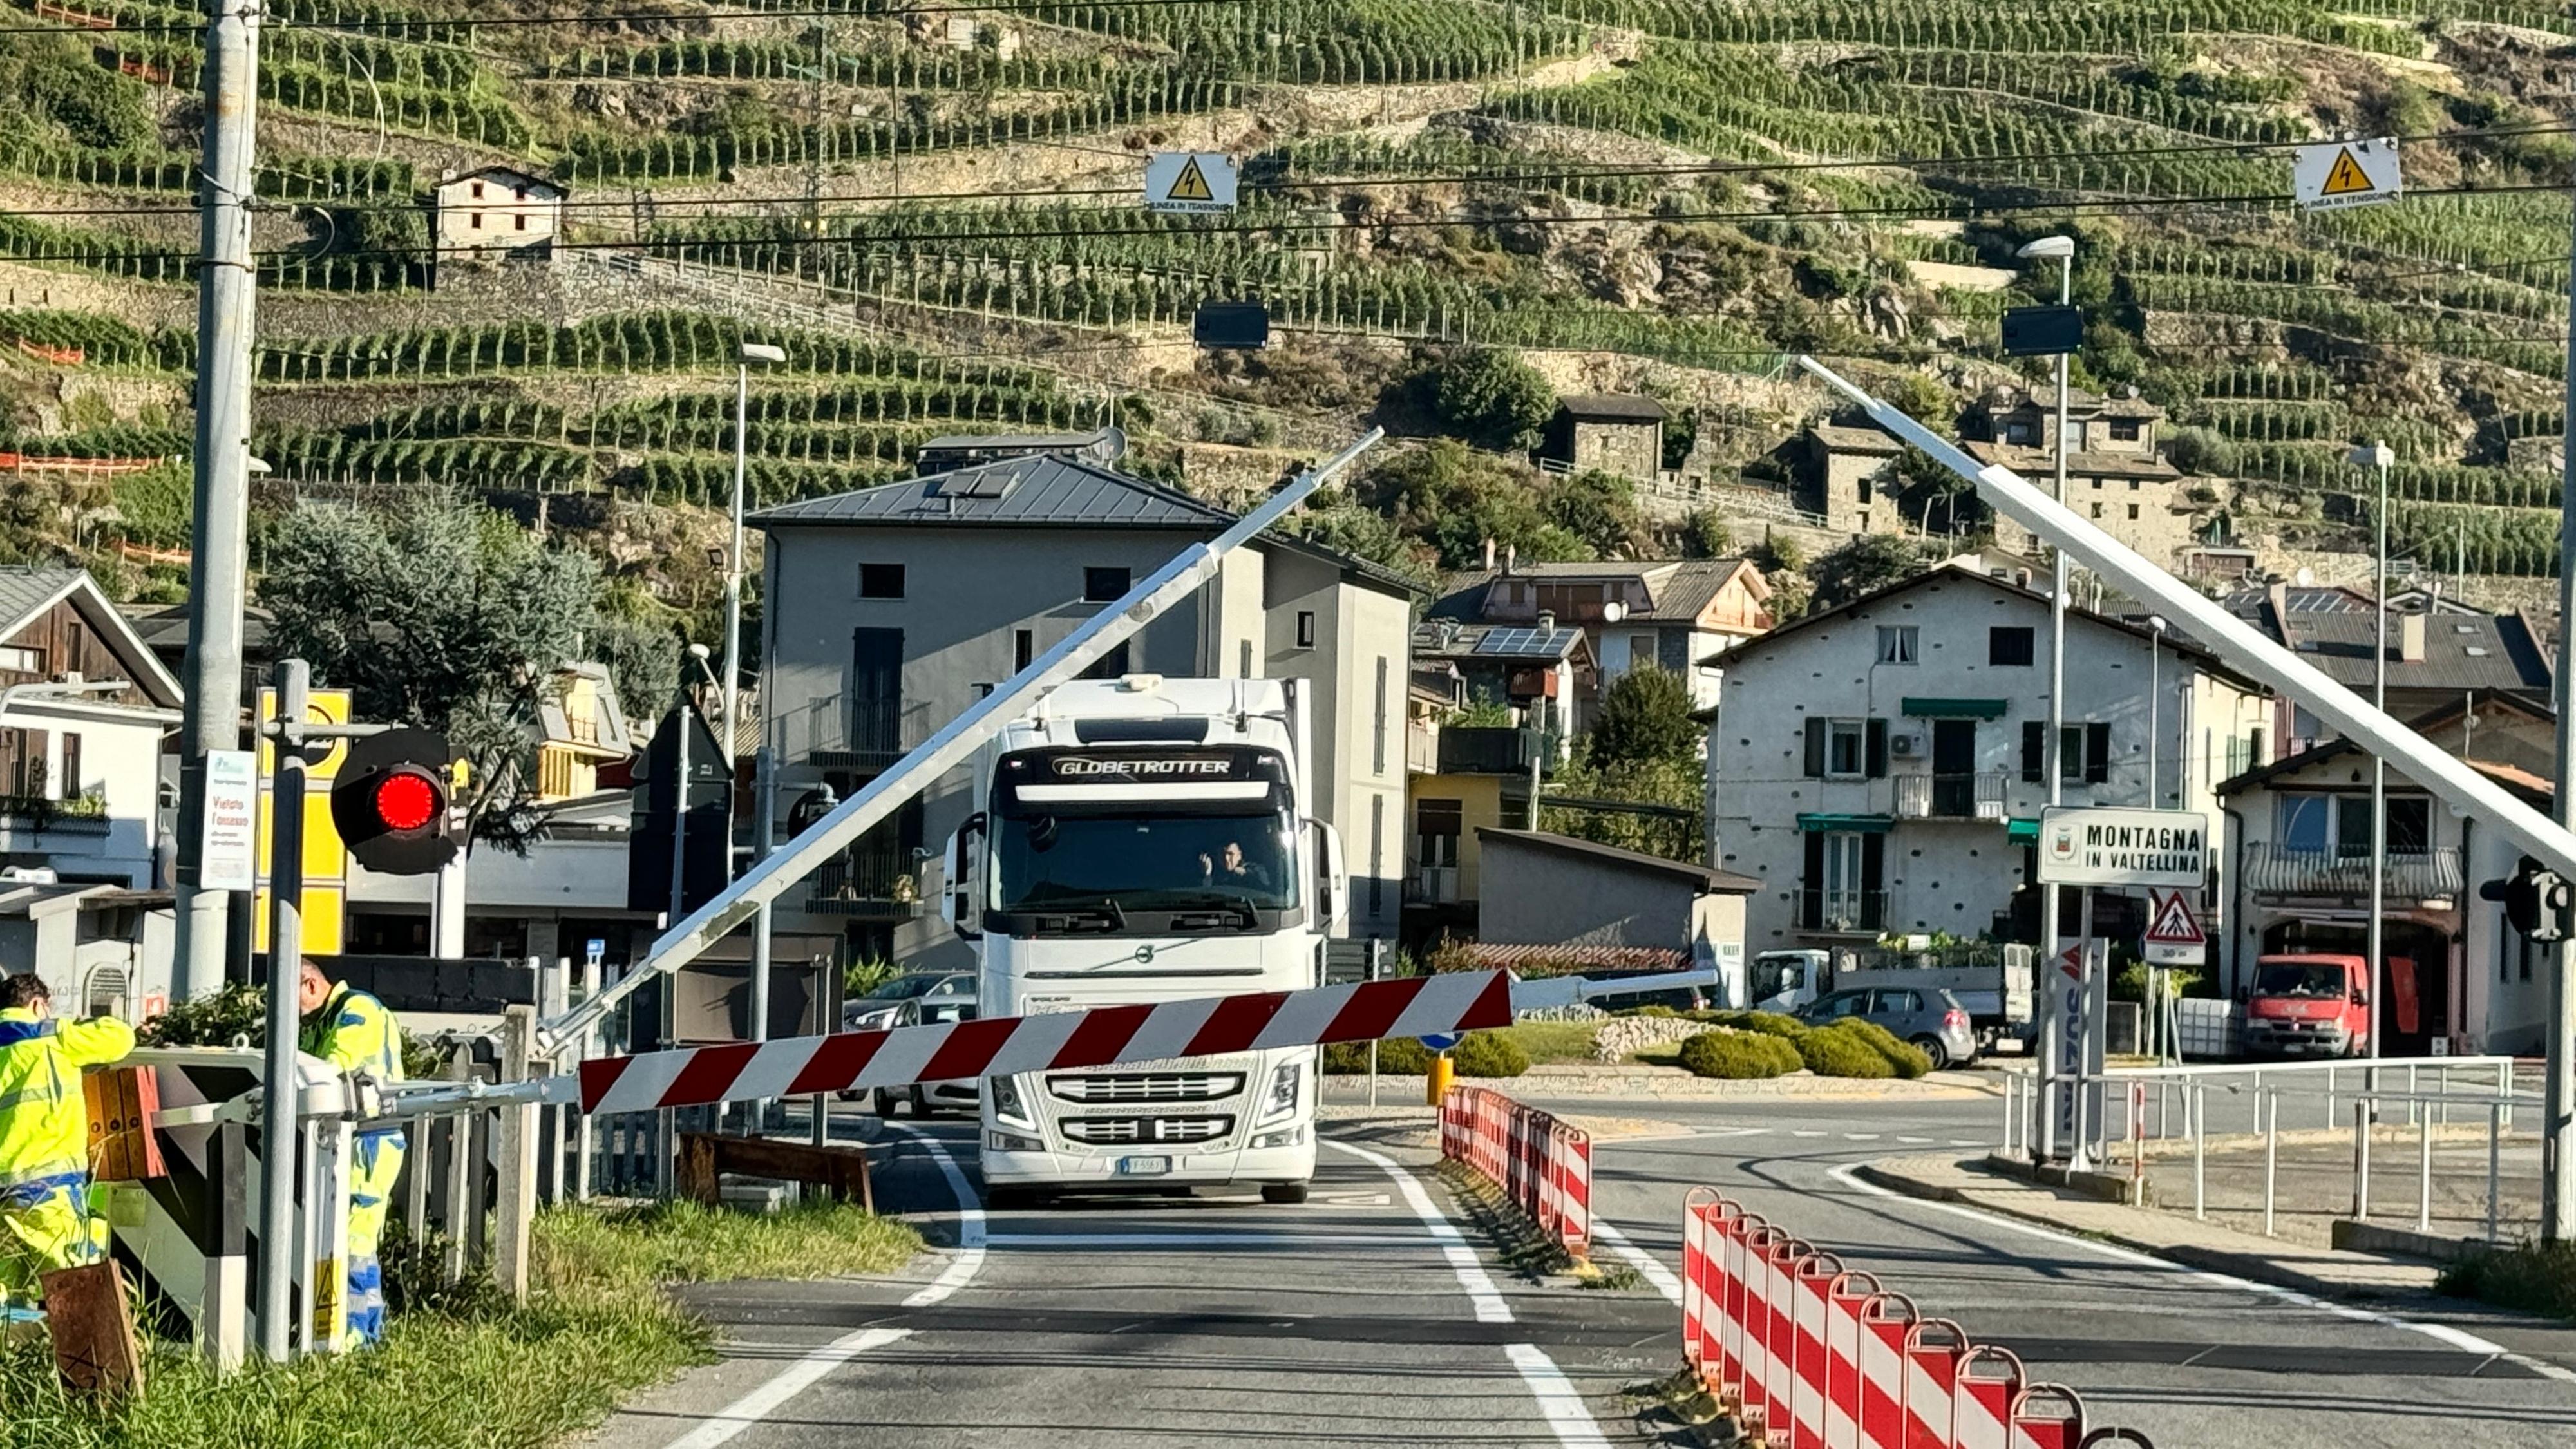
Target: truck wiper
[
  {"x": 1233, "y": 901},
  {"x": 1106, "y": 912}
]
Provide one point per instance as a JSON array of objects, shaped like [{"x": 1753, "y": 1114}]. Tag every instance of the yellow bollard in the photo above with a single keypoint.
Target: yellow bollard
[{"x": 1435, "y": 1083}]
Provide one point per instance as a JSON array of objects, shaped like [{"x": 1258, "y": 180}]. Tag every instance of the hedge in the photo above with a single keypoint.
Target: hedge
[
  {"x": 1738, "y": 1054},
  {"x": 1908, "y": 1060},
  {"x": 1488, "y": 1054},
  {"x": 1833, "y": 1052},
  {"x": 1482, "y": 1054}
]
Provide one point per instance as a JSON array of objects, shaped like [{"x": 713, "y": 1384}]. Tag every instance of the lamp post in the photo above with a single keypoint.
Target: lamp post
[
  {"x": 751, "y": 352},
  {"x": 2155, "y": 650},
  {"x": 2380, "y": 458},
  {"x": 2062, "y": 248}
]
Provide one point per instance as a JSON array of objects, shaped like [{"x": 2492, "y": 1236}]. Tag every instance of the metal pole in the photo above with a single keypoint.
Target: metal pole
[
  {"x": 733, "y": 561},
  {"x": 219, "y": 533},
  {"x": 2155, "y": 661},
  {"x": 2495, "y": 1116},
  {"x": 2049, "y": 909},
  {"x": 277, "y": 1174},
  {"x": 2361, "y": 1106},
  {"x": 2271, "y": 1154},
  {"x": 2424, "y": 1173},
  {"x": 2377, "y": 946},
  {"x": 2558, "y": 1091},
  {"x": 761, "y": 822},
  {"x": 2199, "y": 1109}
]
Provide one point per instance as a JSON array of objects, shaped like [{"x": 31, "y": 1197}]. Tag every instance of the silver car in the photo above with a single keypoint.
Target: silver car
[
  {"x": 884, "y": 1006},
  {"x": 1929, "y": 1017},
  {"x": 951, "y": 1000}
]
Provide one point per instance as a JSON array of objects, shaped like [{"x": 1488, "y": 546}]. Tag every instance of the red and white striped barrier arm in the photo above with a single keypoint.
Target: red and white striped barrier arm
[{"x": 999, "y": 1046}]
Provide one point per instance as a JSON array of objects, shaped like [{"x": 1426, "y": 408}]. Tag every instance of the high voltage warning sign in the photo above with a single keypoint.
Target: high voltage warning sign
[
  {"x": 1189, "y": 181},
  {"x": 2346, "y": 173}
]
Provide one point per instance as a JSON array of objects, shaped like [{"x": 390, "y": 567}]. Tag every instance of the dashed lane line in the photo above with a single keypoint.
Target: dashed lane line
[
  {"x": 1646, "y": 1264},
  {"x": 1557, "y": 1397}
]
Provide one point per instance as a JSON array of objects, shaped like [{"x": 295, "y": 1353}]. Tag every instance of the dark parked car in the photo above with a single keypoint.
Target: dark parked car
[{"x": 1929, "y": 1017}]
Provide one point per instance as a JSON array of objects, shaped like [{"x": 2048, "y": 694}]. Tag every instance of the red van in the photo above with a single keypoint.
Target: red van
[{"x": 2309, "y": 1006}]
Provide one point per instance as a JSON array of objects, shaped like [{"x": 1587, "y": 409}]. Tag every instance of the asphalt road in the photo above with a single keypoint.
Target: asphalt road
[{"x": 1363, "y": 1317}]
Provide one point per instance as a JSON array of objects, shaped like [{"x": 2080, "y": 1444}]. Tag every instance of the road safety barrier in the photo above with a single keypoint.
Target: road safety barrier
[
  {"x": 1055, "y": 1041},
  {"x": 1807, "y": 1354},
  {"x": 1541, "y": 1164}
]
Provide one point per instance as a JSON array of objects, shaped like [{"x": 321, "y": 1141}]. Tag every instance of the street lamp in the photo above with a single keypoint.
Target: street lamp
[
  {"x": 2379, "y": 458},
  {"x": 751, "y": 352},
  {"x": 2062, "y": 249}
]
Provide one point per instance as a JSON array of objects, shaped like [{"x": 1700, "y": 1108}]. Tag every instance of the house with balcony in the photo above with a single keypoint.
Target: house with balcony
[
  {"x": 2438, "y": 650},
  {"x": 84, "y": 704},
  {"x": 2116, "y": 474},
  {"x": 1881, "y": 766},
  {"x": 1671, "y": 613},
  {"x": 2458, "y": 975},
  {"x": 914, "y": 599},
  {"x": 1481, "y": 728}
]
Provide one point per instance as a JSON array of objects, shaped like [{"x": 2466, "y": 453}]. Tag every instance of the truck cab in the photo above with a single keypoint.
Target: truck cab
[
  {"x": 2309, "y": 1005},
  {"x": 1783, "y": 981}
]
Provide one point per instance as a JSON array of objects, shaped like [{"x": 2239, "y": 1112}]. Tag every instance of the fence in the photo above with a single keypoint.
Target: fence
[
  {"x": 1806, "y": 1354},
  {"x": 1541, "y": 1164}
]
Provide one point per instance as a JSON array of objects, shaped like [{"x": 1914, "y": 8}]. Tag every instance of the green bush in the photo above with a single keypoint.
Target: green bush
[
  {"x": 1834, "y": 1052},
  {"x": 1487, "y": 1054},
  {"x": 1738, "y": 1054},
  {"x": 1649, "y": 1009},
  {"x": 1770, "y": 1023},
  {"x": 2535, "y": 1277},
  {"x": 1396, "y": 1057},
  {"x": 1908, "y": 1060}
]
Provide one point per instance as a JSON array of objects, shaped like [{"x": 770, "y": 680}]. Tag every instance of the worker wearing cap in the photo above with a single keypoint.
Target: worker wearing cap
[
  {"x": 354, "y": 1032},
  {"x": 45, "y": 1222}
]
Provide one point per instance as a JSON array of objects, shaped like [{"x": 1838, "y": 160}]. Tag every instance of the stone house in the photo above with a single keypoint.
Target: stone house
[
  {"x": 495, "y": 212},
  {"x": 1607, "y": 432}
]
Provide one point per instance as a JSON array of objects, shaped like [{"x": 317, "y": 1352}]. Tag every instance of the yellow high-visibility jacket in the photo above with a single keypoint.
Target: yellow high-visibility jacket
[
  {"x": 44, "y": 1120},
  {"x": 354, "y": 1032}
]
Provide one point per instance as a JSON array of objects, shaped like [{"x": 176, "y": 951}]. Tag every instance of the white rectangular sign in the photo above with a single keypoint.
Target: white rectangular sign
[
  {"x": 2346, "y": 173},
  {"x": 2083, "y": 845},
  {"x": 228, "y": 856},
  {"x": 1189, "y": 181}
]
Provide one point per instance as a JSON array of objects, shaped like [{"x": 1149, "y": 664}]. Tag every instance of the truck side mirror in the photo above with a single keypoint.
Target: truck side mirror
[
  {"x": 1332, "y": 881},
  {"x": 2360, "y": 997},
  {"x": 957, "y": 902}
]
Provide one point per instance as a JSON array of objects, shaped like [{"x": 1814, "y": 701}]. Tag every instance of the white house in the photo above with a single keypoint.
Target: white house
[
  {"x": 1665, "y": 612},
  {"x": 83, "y": 708},
  {"x": 1879, "y": 766},
  {"x": 493, "y": 212},
  {"x": 2299, "y": 832}
]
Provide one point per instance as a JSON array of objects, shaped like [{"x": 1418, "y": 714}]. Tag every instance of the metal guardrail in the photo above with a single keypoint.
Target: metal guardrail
[{"x": 2418, "y": 875}]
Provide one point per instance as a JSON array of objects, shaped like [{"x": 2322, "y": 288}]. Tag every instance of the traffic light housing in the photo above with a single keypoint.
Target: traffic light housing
[
  {"x": 2538, "y": 903},
  {"x": 393, "y": 801}
]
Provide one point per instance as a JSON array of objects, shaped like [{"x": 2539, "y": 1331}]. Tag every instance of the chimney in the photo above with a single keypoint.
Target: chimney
[
  {"x": 1511, "y": 557},
  {"x": 2277, "y": 594},
  {"x": 2410, "y": 638},
  {"x": 1546, "y": 621},
  {"x": 1489, "y": 555}
]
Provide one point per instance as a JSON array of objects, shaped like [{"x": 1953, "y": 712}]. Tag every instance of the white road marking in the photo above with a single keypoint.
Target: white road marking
[
  {"x": 1860, "y": 1137},
  {"x": 1638, "y": 1258},
  {"x": 1915, "y": 1141},
  {"x": 1806, "y": 1132},
  {"x": 721, "y": 1426},
  {"x": 1968, "y": 1142},
  {"x": 1490, "y": 1307},
  {"x": 1557, "y": 1397},
  {"x": 1848, "y": 1176},
  {"x": 1244, "y": 1239},
  {"x": 1711, "y": 1134}
]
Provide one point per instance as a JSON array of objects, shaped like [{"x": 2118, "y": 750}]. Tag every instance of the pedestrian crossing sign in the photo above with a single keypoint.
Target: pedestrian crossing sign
[
  {"x": 2346, "y": 173},
  {"x": 1190, "y": 181},
  {"x": 2174, "y": 937}
]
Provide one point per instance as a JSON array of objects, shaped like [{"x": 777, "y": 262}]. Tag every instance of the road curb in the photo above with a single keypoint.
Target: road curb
[
  {"x": 1631, "y": 1085},
  {"x": 2252, "y": 1266}
]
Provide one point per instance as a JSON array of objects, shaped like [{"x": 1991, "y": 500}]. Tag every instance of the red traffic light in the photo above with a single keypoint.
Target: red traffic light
[{"x": 407, "y": 800}]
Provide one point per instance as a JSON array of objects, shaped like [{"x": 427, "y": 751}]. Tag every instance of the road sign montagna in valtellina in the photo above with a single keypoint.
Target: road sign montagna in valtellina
[
  {"x": 2087, "y": 846},
  {"x": 1190, "y": 181},
  {"x": 2346, "y": 173}
]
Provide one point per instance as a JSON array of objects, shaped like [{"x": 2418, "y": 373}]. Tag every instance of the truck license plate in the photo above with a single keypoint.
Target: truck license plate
[{"x": 1143, "y": 1166}]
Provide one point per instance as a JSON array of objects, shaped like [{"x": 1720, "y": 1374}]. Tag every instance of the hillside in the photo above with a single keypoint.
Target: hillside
[{"x": 932, "y": 212}]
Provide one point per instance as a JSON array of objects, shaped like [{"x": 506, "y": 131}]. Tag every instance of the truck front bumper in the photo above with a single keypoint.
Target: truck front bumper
[{"x": 1135, "y": 1167}]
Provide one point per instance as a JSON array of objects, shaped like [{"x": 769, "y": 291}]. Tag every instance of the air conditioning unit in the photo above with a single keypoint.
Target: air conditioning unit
[{"x": 1904, "y": 746}]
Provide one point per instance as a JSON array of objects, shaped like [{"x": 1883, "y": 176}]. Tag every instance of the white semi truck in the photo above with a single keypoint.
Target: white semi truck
[{"x": 1139, "y": 840}]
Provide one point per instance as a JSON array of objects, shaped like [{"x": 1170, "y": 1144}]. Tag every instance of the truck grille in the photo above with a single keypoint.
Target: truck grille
[
  {"x": 1161, "y": 1087},
  {"x": 1108, "y": 1131}
]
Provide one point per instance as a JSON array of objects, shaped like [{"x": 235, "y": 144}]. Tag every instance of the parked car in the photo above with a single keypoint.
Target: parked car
[
  {"x": 1929, "y": 1017},
  {"x": 880, "y": 1007},
  {"x": 952, "y": 999}
]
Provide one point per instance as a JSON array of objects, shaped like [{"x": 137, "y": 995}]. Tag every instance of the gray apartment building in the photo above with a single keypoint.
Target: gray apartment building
[{"x": 891, "y": 609}]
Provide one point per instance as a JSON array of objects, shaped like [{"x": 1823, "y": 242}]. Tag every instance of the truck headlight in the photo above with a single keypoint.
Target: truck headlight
[
  {"x": 1285, "y": 1137},
  {"x": 1006, "y": 1101},
  {"x": 1012, "y": 1142},
  {"x": 1283, "y": 1090}
]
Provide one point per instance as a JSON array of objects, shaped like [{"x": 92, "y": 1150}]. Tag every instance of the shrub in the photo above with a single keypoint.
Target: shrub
[
  {"x": 1738, "y": 1054},
  {"x": 1486, "y": 1054},
  {"x": 1396, "y": 1057},
  {"x": 1649, "y": 1009},
  {"x": 1908, "y": 1060},
  {"x": 1770, "y": 1023},
  {"x": 1833, "y": 1052}
]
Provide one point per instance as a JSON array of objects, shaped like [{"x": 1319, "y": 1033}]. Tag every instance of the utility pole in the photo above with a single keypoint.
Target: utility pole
[
  {"x": 279, "y": 1171},
  {"x": 2379, "y": 457},
  {"x": 219, "y": 534},
  {"x": 2063, "y": 249},
  {"x": 2558, "y": 1096}
]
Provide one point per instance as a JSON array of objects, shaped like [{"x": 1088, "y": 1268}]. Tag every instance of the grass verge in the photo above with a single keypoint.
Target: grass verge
[
  {"x": 470, "y": 1370},
  {"x": 1553, "y": 1041},
  {"x": 2534, "y": 1277}
]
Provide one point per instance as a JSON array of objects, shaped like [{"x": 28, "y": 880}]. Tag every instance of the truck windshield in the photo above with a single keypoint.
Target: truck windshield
[
  {"x": 1144, "y": 862},
  {"x": 2299, "y": 978}
]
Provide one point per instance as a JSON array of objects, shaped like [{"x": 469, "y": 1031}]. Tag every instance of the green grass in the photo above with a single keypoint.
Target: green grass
[
  {"x": 2535, "y": 1277},
  {"x": 1554, "y": 1041},
  {"x": 1667, "y": 1054},
  {"x": 480, "y": 1374}
]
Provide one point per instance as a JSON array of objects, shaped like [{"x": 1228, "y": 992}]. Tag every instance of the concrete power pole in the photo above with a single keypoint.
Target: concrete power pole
[
  {"x": 2558, "y": 1098},
  {"x": 219, "y": 536}
]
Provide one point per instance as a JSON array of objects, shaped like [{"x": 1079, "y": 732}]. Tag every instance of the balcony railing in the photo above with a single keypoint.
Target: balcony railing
[
  {"x": 2414, "y": 875},
  {"x": 1967, "y": 796},
  {"x": 871, "y": 736},
  {"x": 1852, "y": 911},
  {"x": 1492, "y": 750},
  {"x": 1422, "y": 749},
  {"x": 1433, "y": 885},
  {"x": 868, "y": 880}
]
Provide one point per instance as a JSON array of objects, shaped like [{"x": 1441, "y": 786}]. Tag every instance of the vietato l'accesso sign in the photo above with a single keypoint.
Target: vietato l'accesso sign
[{"x": 2082, "y": 845}]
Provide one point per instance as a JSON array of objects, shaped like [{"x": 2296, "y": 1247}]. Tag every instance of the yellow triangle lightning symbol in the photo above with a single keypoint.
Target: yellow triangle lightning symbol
[
  {"x": 2346, "y": 177},
  {"x": 1191, "y": 186}
]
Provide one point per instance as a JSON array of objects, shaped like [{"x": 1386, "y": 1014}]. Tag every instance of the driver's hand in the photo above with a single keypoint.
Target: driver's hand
[{"x": 1207, "y": 865}]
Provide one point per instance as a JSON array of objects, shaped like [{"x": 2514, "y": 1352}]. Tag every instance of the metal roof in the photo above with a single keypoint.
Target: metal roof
[
  {"x": 2337, "y": 630},
  {"x": 26, "y": 592},
  {"x": 1676, "y": 589},
  {"x": 1047, "y": 490},
  {"x": 1611, "y": 407},
  {"x": 1724, "y": 881}
]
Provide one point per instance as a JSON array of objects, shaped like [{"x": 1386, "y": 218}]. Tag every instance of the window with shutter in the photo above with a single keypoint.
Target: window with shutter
[
  {"x": 1815, "y": 749},
  {"x": 2097, "y": 753},
  {"x": 1877, "y": 749}
]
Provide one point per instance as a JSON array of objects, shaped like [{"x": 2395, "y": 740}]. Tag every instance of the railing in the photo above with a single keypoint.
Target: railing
[
  {"x": 1970, "y": 795},
  {"x": 1853, "y": 911},
  {"x": 871, "y": 879},
  {"x": 2415, "y": 875},
  {"x": 832, "y": 733},
  {"x": 1422, "y": 749},
  {"x": 1433, "y": 884},
  {"x": 1491, "y": 749}
]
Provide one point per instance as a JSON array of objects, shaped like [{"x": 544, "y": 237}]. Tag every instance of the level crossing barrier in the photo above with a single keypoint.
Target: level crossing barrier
[
  {"x": 1543, "y": 1166},
  {"x": 1805, "y": 1353}
]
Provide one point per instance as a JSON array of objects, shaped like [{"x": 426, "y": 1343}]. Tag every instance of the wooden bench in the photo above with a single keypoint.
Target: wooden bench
[{"x": 705, "y": 1158}]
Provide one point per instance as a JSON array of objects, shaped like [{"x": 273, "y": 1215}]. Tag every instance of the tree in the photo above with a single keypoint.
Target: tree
[
  {"x": 1598, "y": 508},
  {"x": 1645, "y": 718},
  {"x": 2198, "y": 450},
  {"x": 441, "y": 614},
  {"x": 1492, "y": 399},
  {"x": 1864, "y": 566},
  {"x": 1706, "y": 534},
  {"x": 1455, "y": 498}
]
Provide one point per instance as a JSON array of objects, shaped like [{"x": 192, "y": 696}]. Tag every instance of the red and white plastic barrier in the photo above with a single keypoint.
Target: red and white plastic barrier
[
  {"x": 1056, "y": 1041},
  {"x": 1806, "y": 1354},
  {"x": 1541, "y": 1164}
]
